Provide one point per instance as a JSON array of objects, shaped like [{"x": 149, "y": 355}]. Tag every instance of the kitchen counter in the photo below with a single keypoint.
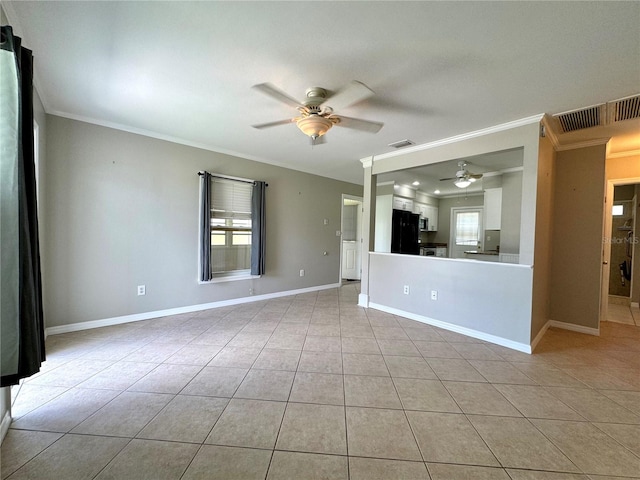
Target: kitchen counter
[{"x": 481, "y": 252}]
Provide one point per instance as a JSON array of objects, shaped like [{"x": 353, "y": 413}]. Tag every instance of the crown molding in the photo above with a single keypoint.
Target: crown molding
[
  {"x": 367, "y": 162},
  {"x": 465, "y": 136},
  {"x": 587, "y": 143},
  {"x": 629, "y": 153},
  {"x": 549, "y": 131}
]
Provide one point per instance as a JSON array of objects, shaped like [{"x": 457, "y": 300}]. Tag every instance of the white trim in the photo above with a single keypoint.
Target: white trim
[
  {"x": 363, "y": 300},
  {"x": 457, "y": 138},
  {"x": 106, "y": 322},
  {"x": 521, "y": 347},
  {"x": 550, "y": 132},
  {"x": 635, "y": 304},
  {"x": 585, "y": 144},
  {"x": 367, "y": 162},
  {"x": 228, "y": 278},
  {"x": 539, "y": 336},
  {"x": 629, "y": 153},
  {"x": 574, "y": 328},
  {"x": 6, "y": 423}
]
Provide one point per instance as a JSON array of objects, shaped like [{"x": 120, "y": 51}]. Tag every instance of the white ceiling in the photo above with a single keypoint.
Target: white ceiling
[{"x": 183, "y": 70}]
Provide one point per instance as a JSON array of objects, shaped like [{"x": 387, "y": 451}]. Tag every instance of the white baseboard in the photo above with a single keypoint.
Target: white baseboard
[
  {"x": 106, "y": 322},
  {"x": 574, "y": 328},
  {"x": 540, "y": 334},
  {"x": 5, "y": 424},
  {"x": 521, "y": 347},
  {"x": 363, "y": 300}
]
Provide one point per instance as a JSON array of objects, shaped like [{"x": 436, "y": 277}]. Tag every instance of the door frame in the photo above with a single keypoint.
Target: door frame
[
  {"x": 606, "y": 245},
  {"x": 344, "y": 197}
]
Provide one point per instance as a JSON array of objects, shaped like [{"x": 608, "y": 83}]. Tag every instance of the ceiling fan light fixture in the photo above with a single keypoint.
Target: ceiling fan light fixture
[
  {"x": 314, "y": 126},
  {"x": 462, "y": 183}
]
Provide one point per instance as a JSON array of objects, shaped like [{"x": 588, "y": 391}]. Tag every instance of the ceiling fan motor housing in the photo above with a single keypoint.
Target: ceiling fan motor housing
[
  {"x": 314, "y": 125},
  {"x": 315, "y": 96}
]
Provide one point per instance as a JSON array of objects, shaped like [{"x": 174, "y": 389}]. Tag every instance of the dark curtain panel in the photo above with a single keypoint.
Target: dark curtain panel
[
  {"x": 205, "y": 226},
  {"x": 258, "y": 228},
  {"x": 21, "y": 321}
]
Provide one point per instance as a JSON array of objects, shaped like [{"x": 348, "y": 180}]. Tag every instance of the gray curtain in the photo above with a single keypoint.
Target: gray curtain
[
  {"x": 258, "y": 228},
  {"x": 205, "y": 233},
  {"x": 21, "y": 315}
]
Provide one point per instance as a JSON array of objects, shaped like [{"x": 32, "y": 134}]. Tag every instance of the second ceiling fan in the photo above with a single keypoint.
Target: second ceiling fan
[
  {"x": 463, "y": 177},
  {"x": 316, "y": 116}
]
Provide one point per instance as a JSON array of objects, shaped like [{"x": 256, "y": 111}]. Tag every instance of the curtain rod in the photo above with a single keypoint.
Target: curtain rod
[{"x": 201, "y": 173}]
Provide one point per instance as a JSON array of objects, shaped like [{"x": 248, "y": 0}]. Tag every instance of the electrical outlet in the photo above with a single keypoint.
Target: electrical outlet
[
  {"x": 326, "y": 221},
  {"x": 302, "y": 272},
  {"x": 406, "y": 289},
  {"x": 338, "y": 233},
  {"x": 434, "y": 294},
  {"x": 142, "y": 290}
]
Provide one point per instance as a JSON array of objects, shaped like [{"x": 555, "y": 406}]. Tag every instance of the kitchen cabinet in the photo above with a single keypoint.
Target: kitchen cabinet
[
  {"x": 431, "y": 213},
  {"x": 492, "y": 208},
  {"x": 400, "y": 203}
]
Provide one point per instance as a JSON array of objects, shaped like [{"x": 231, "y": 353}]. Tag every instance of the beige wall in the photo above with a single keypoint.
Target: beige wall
[
  {"x": 544, "y": 238},
  {"x": 122, "y": 211},
  {"x": 577, "y": 226}
]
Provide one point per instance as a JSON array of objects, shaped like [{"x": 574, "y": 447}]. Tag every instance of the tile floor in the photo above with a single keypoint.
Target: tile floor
[
  {"x": 313, "y": 387},
  {"x": 623, "y": 314}
]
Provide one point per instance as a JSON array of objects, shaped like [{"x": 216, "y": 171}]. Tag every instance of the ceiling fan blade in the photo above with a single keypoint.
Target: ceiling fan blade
[
  {"x": 358, "y": 124},
  {"x": 260, "y": 126},
  {"x": 447, "y": 179},
  {"x": 348, "y": 95},
  {"x": 277, "y": 94},
  {"x": 475, "y": 175}
]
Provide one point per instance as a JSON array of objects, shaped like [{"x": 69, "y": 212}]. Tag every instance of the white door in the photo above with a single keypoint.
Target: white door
[
  {"x": 350, "y": 263},
  {"x": 351, "y": 244},
  {"x": 466, "y": 231}
]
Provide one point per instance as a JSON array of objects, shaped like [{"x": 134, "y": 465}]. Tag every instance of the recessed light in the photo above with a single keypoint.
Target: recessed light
[
  {"x": 416, "y": 183},
  {"x": 436, "y": 192}
]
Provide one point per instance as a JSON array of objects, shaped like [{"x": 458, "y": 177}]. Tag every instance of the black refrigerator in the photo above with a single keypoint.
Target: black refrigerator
[{"x": 405, "y": 230}]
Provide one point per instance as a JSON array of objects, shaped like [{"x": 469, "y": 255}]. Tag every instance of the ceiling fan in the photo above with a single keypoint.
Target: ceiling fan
[
  {"x": 463, "y": 177},
  {"x": 316, "y": 116}
]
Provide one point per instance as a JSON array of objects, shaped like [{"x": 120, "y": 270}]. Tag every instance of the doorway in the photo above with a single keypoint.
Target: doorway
[
  {"x": 620, "y": 282},
  {"x": 351, "y": 239},
  {"x": 466, "y": 230}
]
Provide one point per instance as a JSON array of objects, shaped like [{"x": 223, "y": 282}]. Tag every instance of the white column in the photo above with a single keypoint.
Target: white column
[{"x": 368, "y": 227}]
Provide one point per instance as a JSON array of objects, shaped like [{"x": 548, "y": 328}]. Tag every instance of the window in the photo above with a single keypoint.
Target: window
[
  {"x": 232, "y": 227},
  {"x": 467, "y": 228}
]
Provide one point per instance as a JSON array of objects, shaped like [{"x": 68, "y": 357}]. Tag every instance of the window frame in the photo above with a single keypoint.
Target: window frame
[{"x": 229, "y": 275}]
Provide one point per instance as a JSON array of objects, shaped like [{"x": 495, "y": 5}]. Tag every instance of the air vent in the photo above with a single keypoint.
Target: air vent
[
  {"x": 580, "y": 119},
  {"x": 401, "y": 144},
  {"x": 624, "y": 109}
]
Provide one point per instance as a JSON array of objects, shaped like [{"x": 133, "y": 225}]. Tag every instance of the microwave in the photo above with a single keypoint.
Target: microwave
[{"x": 424, "y": 224}]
